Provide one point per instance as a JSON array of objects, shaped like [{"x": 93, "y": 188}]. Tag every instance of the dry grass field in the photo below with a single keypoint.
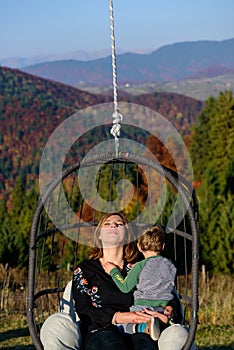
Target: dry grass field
[{"x": 215, "y": 329}]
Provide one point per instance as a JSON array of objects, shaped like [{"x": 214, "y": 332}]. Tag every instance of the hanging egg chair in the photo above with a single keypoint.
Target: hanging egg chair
[
  {"x": 64, "y": 221},
  {"x": 78, "y": 185}
]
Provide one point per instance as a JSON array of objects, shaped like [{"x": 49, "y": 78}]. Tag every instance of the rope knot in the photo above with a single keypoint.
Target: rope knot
[
  {"x": 117, "y": 119},
  {"x": 115, "y": 130}
]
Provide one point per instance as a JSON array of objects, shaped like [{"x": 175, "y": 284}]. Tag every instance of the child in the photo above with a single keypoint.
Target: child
[{"x": 153, "y": 279}]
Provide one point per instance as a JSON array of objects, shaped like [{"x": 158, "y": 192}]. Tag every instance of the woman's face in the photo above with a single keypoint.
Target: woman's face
[{"x": 112, "y": 231}]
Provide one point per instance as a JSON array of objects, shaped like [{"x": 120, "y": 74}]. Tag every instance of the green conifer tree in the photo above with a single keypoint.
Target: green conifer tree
[{"x": 212, "y": 154}]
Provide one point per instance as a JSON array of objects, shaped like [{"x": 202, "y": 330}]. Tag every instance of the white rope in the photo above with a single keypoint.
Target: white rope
[{"x": 117, "y": 117}]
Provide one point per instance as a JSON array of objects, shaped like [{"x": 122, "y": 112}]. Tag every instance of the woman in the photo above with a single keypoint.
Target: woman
[
  {"x": 100, "y": 309},
  {"x": 98, "y": 302}
]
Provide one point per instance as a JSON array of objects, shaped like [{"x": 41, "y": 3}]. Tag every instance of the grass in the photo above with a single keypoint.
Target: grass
[
  {"x": 215, "y": 329},
  {"x": 15, "y": 335},
  {"x": 215, "y": 337}
]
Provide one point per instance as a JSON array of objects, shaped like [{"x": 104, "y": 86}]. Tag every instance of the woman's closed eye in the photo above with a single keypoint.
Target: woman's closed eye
[{"x": 106, "y": 224}]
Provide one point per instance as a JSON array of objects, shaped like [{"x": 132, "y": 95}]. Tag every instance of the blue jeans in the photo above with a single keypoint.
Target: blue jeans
[{"x": 106, "y": 339}]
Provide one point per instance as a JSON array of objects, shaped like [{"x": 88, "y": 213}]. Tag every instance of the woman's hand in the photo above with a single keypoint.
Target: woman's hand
[
  {"x": 163, "y": 317},
  {"x": 131, "y": 317}
]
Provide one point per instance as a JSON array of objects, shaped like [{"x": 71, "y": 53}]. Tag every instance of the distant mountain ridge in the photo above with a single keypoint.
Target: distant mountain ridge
[
  {"x": 82, "y": 55},
  {"x": 171, "y": 62}
]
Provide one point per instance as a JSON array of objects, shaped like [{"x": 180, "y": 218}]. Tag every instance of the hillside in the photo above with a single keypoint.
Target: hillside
[
  {"x": 197, "y": 88},
  {"x": 171, "y": 62},
  {"x": 31, "y": 108}
]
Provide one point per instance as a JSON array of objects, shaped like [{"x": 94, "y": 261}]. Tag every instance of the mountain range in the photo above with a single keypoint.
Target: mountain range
[
  {"x": 199, "y": 59},
  {"x": 82, "y": 55}
]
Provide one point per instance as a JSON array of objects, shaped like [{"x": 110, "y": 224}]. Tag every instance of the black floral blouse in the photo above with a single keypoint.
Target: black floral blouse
[{"x": 96, "y": 296}]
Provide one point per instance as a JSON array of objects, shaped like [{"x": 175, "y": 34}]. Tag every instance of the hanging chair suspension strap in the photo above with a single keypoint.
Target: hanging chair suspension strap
[{"x": 117, "y": 117}]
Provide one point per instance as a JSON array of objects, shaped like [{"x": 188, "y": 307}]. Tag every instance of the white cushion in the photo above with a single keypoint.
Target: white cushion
[{"x": 67, "y": 304}]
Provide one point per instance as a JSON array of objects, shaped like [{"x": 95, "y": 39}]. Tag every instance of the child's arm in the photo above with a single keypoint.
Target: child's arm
[
  {"x": 108, "y": 266},
  {"x": 124, "y": 284},
  {"x": 129, "y": 283}
]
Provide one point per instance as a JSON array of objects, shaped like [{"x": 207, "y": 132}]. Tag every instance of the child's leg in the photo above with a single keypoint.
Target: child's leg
[
  {"x": 151, "y": 327},
  {"x": 127, "y": 328}
]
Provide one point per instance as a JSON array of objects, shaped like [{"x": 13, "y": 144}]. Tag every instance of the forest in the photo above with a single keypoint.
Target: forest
[{"x": 31, "y": 107}]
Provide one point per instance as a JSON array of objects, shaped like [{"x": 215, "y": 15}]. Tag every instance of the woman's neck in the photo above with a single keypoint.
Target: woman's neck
[{"x": 113, "y": 255}]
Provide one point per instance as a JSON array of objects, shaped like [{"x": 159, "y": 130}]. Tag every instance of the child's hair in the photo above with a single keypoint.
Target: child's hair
[{"x": 152, "y": 239}]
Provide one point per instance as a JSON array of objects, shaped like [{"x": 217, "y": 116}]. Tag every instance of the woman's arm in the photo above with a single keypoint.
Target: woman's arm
[
  {"x": 130, "y": 317},
  {"x": 165, "y": 317}
]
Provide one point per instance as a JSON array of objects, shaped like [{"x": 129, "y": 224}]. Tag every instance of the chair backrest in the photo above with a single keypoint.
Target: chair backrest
[{"x": 62, "y": 229}]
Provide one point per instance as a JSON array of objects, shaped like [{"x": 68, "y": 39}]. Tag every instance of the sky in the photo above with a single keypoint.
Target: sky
[{"x": 44, "y": 27}]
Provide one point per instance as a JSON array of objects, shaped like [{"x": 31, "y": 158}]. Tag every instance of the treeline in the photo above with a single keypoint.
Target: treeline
[
  {"x": 212, "y": 152},
  {"x": 15, "y": 224},
  {"x": 25, "y": 128}
]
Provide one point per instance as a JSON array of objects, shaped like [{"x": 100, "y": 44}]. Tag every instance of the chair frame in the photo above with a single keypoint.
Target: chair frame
[{"x": 188, "y": 198}]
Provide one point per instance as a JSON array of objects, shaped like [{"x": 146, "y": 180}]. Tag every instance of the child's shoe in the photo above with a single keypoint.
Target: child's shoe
[{"x": 152, "y": 328}]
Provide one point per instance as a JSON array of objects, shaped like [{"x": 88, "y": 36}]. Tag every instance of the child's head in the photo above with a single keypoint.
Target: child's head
[{"x": 152, "y": 239}]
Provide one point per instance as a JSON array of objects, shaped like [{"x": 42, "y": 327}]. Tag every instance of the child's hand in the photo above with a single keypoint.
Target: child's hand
[{"x": 108, "y": 266}]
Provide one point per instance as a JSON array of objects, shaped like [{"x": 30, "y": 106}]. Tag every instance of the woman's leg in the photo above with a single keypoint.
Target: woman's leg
[
  {"x": 60, "y": 332},
  {"x": 173, "y": 338},
  {"x": 107, "y": 340}
]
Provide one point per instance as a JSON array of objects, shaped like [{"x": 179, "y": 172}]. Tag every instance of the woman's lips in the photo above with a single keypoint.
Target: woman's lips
[{"x": 113, "y": 231}]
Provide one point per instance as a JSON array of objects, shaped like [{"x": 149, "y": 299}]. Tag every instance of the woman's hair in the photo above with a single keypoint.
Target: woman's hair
[
  {"x": 130, "y": 251},
  {"x": 152, "y": 239}
]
